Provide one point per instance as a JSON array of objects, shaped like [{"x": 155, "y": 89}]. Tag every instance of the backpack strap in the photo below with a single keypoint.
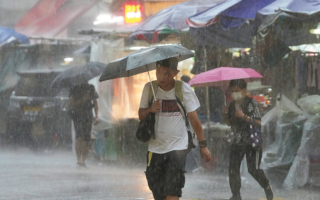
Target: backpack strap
[
  {"x": 183, "y": 112},
  {"x": 185, "y": 116},
  {"x": 178, "y": 89}
]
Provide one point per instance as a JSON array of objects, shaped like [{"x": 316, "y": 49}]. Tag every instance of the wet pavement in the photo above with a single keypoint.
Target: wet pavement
[{"x": 25, "y": 174}]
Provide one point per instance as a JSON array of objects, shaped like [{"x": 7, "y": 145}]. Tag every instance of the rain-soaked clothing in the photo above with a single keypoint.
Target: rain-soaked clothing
[
  {"x": 241, "y": 128},
  {"x": 236, "y": 156},
  {"x": 170, "y": 127},
  {"x": 82, "y": 114},
  {"x": 165, "y": 173},
  {"x": 168, "y": 150},
  {"x": 242, "y": 146}
]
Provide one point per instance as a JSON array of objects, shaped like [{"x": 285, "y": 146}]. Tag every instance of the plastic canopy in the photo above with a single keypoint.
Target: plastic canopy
[{"x": 8, "y": 35}]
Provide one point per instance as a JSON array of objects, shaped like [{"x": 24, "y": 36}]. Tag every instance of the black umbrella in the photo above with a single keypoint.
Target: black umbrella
[
  {"x": 78, "y": 75},
  {"x": 143, "y": 60}
]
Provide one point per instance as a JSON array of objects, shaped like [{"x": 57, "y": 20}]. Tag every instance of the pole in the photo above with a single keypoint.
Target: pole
[
  {"x": 207, "y": 90},
  {"x": 154, "y": 95},
  {"x": 281, "y": 74}
]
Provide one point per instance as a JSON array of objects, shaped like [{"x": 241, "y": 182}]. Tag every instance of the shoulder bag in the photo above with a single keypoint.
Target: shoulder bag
[{"x": 146, "y": 127}]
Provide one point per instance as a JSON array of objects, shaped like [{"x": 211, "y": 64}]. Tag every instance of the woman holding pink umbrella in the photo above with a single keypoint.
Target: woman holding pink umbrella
[{"x": 242, "y": 112}]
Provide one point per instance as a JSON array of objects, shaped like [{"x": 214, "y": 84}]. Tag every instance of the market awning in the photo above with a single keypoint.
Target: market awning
[
  {"x": 170, "y": 20},
  {"x": 290, "y": 19},
  {"x": 230, "y": 14},
  {"x": 8, "y": 35},
  {"x": 48, "y": 18}
]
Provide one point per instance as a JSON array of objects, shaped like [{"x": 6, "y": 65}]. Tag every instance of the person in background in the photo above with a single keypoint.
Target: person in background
[
  {"x": 240, "y": 113},
  {"x": 82, "y": 99}
]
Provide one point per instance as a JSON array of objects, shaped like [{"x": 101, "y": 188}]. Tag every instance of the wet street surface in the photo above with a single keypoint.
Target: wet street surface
[{"x": 25, "y": 174}]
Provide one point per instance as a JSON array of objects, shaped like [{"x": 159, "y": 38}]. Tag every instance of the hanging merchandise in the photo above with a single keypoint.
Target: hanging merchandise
[
  {"x": 275, "y": 52},
  {"x": 102, "y": 50}
]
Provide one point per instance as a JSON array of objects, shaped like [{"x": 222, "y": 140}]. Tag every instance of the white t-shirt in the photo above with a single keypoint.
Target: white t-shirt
[{"x": 170, "y": 128}]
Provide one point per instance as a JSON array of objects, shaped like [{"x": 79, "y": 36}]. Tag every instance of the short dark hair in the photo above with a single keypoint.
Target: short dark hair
[
  {"x": 171, "y": 63},
  {"x": 185, "y": 78},
  {"x": 242, "y": 84}
]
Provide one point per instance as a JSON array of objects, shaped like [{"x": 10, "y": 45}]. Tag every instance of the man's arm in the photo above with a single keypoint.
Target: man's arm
[
  {"x": 143, "y": 112},
  {"x": 197, "y": 127},
  {"x": 96, "y": 110}
]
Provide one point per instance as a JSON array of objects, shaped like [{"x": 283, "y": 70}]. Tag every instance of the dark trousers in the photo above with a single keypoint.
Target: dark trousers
[
  {"x": 83, "y": 128},
  {"x": 165, "y": 173},
  {"x": 236, "y": 156}
]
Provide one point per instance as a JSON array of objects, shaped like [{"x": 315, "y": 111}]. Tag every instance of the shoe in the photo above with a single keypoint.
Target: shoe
[
  {"x": 83, "y": 165},
  {"x": 78, "y": 166},
  {"x": 236, "y": 197},
  {"x": 269, "y": 193}
]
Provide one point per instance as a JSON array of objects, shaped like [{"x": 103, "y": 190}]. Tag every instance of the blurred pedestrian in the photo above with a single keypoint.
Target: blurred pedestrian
[
  {"x": 240, "y": 113},
  {"x": 82, "y": 99},
  {"x": 168, "y": 149}
]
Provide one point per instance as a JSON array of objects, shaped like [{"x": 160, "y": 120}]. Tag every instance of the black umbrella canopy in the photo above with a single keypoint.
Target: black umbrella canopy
[
  {"x": 78, "y": 75},
  {"x": 143, "y": 60}
]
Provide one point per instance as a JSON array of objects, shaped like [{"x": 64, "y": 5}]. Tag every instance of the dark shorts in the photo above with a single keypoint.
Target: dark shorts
[
  {"x": 165, "y": 173},
  {"x": 83, "y": 128}
]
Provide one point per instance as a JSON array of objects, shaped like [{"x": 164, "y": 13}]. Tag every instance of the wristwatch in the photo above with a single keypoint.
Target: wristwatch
[{"x": 203, "y": 143}]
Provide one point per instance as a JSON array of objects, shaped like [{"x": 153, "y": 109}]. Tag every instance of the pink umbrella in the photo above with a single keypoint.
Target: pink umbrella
[{"x": 221, "y": 76}]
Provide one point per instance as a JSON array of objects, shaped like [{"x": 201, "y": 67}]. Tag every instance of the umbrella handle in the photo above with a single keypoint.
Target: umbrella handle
[{"x": 154, "y": 95}]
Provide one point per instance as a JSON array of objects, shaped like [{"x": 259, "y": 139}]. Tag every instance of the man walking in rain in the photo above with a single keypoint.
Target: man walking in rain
[
  {"x": 167, "y": 151},
  {"x": 82, "y": 99}
]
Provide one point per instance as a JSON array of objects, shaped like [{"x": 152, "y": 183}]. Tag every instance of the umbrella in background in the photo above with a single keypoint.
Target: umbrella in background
[
  {"x": 78, "y": 75},
  {"x": 221, "y": 76},
  {"x": 143, "y": 60},
  {"x": 170, "y": 20},
  {"x": 8, "y": 35}
]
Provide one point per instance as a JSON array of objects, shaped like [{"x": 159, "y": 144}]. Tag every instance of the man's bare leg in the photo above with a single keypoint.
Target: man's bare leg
[
  {"x": 84, "y": 151},
  {"x": 78, "y": 150}
]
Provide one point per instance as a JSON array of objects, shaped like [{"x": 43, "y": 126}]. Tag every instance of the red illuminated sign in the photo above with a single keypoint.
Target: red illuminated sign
[{"x": 132, "y": 13}]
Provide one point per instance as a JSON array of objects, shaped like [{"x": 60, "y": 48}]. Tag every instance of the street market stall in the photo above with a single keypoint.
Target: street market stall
[{"x": 269, "y": 31}]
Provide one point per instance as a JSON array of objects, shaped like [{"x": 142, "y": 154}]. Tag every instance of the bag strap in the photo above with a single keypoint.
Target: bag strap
[
  {"x": 183, "y": 112},
  {"x": 252, "y": 120},
  {"x": 178, "y": 94},
  {"x": 178, "y": 89}
]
